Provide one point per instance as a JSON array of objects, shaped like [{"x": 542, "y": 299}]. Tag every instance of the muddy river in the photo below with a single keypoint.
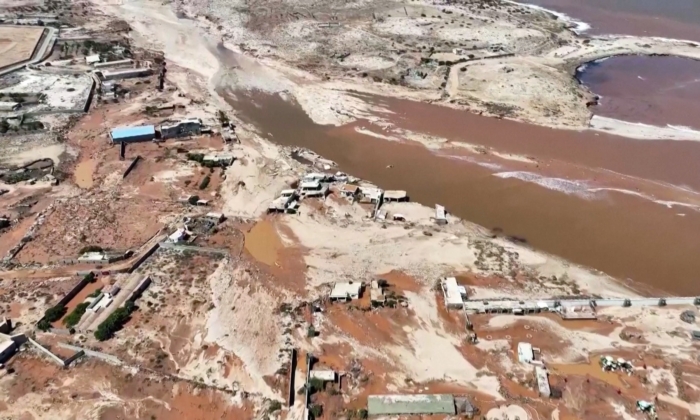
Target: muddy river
[
  {"x": 653, "y": 90},
  {"x": 619, "y": 233}
]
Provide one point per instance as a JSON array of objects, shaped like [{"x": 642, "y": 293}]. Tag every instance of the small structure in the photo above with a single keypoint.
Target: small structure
[
  {"x": 113, "y": 291},
  {"x": 183, "y": 128},
  {"x": 133, "y": 134},
  {"x": 313, "y": 189},
  {"x": 576, "y": 312},
  {"x": 543, "y": 381},
  {"x": 346, "y": 291},
  {"x": 687, "y": 316},
  {"x": 93, "y": 257},
  {"x": 315, "y": 177},
  {"x": 371, "y": 195},
  {"x": 398, "y": 405},
  {"x": 454, "y": 293},
  {"x": 180, "y": 235},
  {"x": 92, "y": 59},
  {"x": 349, "y": 191},
  {"x": 695, "y": 335},
  {"x": 395, "y": 195},
  {"x": 286, "y": 202},
  {"x": 214, "y": 217},
  {"x": 126, "y": 73},
  {"x": 217, "y": 159},
  {"x": 440, "y": 215},
  {"x": 526, "y": 353},
  {"x": 9, "y": 106},
  {"x": 323, "y": 375},
  {"x": 111, "y": 64},
  {"x": 465, "y": 407},
  {"x": 376, "y": 294},
  {"x": 4, "y": 222},
  {"x": 7, "y": 349}
]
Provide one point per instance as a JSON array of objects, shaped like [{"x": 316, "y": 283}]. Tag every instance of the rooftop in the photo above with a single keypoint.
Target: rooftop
[
  {"x": 389, "y": 405},
  {"x": 344, "y": 290},
  {"x": 123, "y": 132},
  {"x": 395, "y": 194},
  {"x": 453, "y": 292}
]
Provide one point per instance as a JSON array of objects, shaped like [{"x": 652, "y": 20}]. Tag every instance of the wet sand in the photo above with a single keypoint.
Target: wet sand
[
  {"x": 671, "y": 19},
  {"x": 622, "y": 235},
  {"x": 651, "y": 90}
]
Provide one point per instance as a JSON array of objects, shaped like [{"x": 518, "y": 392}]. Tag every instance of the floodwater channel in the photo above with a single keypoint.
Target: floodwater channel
[{"x": 620, "y": 234}]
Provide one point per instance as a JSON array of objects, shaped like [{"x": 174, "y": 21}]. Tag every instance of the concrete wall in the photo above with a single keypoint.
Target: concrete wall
[
  {"x": 102, "y": 356},
  {"x": 131, "y": 167},
  {"x": 46, "y": 351},
  {"x": 74, "y": 291},
  {"x": 292, "y": 370}
]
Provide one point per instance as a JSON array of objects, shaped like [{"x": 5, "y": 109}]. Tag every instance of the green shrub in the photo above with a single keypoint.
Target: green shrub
[
  {"x": 316, "y": 411},
  {"x": 74, "y": 317},
  {"x": 54, "y": 313},
  {"x": 193, "y": 200},
  {"x": 114, "y": 322},
  {"x": 204, "y": 183},
  {"x": 90, "y": 248},
  {"x": 274, "y": 406}
]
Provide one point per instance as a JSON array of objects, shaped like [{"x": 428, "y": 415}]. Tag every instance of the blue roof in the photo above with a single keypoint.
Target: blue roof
[{"x": 125, "y": 132}]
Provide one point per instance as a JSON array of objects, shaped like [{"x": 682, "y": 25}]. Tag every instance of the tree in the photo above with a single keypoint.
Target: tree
[
  {"x": 193, "y": 200},
  {"x": 223, "y": 118},
  {"x": 204, "y": 183},
  {"x": 316, "y": 411}
]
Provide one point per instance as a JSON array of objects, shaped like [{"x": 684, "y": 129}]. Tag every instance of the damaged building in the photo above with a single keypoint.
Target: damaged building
[{"x": 183, "y": 128}]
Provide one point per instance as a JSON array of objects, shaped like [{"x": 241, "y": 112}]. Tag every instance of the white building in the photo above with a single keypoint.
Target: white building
[
  {"x": 216, "y": 159},
  {"x": 525, "y": 353},
  {"x": 346, "y": 291},
  {"x": 440, "y": 215},
  {"x": 543, "y": 381},
  {"x": 92, "y": 59},
  {"x": 371, "y": 194},
  {"x": 93, "y": 257},
  {"x": 323, "y": 375},
  {"x": 179, "y": 235},
  {"x": 214, "y": 217},
  {"x": 395, "y": 195},
  {"x": 453, "y": 292}
]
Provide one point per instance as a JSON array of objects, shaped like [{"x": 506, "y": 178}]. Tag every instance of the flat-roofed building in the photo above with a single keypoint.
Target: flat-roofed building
[
  {"x": 345, "y": 291},
  {"x": 543, "y": 381},
  {"x": 526, "y": 354},
  {"x": 132, "y": 134},
  {"x": 395, "y": 195},
  {"x": 453, "y": 292},
  {"x": 416, "y": 404},
  {"x": 182, "y": 128}
]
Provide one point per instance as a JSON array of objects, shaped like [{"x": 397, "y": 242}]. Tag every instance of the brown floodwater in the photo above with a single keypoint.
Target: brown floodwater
[
  {"x": 671, "y": 19},
  {"x": 620, "y": 234},
  {"x": 652, "y": 90}
]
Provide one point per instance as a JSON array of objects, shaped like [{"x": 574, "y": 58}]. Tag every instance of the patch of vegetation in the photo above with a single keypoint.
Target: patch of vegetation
[
  {"x": 74, "y": 317},
  {"x": 315, "y": 385},
  {"x": 114, "y": 322},
  {"x": 274, "y": 406},
  {"x": 52, "y": 314},
  {"x": 15, "y": 177},
  {"x": 95, "y": 293},
  {"x": 316, "y": 411},
  {"x": 193, "y": 200},
  {"x": 205, "y": 182},
  {"x": 197, "y": 157},
  {"x": 90, "y": 248},
  {"x": 223, "y": 118}
]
